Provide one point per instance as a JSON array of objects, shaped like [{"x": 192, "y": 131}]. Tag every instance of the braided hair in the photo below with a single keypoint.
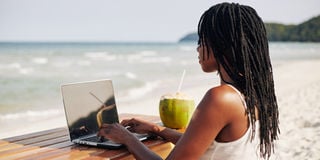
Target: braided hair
[{"x": 237, "y": 37}]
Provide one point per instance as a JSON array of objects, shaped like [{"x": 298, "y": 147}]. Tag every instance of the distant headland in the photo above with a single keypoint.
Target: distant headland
[{"x": 308, "y": 31}]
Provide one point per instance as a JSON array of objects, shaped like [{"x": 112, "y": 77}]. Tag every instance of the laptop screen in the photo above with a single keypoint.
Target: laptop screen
[{"x": 88, "y": 105}]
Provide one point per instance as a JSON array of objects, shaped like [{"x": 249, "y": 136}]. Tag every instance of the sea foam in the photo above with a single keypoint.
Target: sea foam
[
  {"x": 40, "y": 60},
  {"x": 130, "y": 75},
  {"x": 30, "y": 114},
  {"x": 100, "y": 56},
  {"x": 139, "y": 92}
]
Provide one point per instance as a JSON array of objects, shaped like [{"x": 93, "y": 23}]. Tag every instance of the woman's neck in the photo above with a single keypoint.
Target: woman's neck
[{"x": 224, "y": 77}]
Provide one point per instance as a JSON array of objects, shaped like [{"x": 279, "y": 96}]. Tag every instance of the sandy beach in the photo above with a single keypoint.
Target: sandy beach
[{"x": 297, "y": 87}]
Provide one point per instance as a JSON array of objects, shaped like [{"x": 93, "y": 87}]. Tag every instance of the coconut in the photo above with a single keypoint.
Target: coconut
[{"x": 176, "y": 110}]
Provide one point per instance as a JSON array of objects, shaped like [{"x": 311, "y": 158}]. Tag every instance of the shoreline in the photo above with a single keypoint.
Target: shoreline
[{"x": 297, "y": 86}]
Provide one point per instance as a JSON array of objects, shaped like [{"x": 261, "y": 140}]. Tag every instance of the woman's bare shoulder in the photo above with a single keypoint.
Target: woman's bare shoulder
[
  {"x": 223, "y": 99},
  {"x": 221, "y": 94}
]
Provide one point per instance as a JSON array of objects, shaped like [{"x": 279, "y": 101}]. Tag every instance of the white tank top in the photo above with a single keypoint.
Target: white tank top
[{"x": 242, "y": 148}]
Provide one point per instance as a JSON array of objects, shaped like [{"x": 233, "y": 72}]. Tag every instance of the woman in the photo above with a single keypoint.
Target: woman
[{"x": 237, "y": 119}]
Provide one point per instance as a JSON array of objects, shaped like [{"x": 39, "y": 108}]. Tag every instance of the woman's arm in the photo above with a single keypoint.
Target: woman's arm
[
  {"x": 168, "y": 134},
  {"x": 140, "y": 151}
]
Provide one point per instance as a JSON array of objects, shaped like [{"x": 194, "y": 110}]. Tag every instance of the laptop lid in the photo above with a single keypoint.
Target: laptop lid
[{"x": 88, "y": 105}]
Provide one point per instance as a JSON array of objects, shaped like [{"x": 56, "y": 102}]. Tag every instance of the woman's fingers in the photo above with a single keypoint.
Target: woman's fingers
[
  {"x": 114, "y": 132},
  {"x": 104, "y": 125},
  {"x": 104, "y": 130},
  {"x": 128, "y": 122}
]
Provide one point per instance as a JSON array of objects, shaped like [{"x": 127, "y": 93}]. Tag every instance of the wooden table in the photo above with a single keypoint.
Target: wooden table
[{"x": 55, "y": 144}]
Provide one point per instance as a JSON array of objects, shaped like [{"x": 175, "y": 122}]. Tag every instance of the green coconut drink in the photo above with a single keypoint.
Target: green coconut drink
[{"x": 176, "y": 110}]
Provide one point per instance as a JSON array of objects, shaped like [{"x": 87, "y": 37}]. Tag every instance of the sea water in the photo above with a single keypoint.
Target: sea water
[{"x": 31, "y": 73}]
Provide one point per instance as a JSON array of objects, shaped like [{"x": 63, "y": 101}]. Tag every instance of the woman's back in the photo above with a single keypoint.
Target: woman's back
[{"x": 240, "y": 148}]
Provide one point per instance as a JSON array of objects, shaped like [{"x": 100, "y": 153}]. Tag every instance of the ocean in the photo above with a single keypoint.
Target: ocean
[{"x": 31, "y": 73}]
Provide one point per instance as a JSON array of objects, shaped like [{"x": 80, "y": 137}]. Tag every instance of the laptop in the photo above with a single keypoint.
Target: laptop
[{"x": 87, "y": 106}]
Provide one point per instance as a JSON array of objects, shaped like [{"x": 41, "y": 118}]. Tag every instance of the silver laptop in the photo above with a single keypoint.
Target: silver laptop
[{"x": 87, "y": 106}]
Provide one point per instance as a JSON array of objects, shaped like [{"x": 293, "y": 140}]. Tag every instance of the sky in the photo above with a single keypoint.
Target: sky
[{"x": 127, "y": 20}]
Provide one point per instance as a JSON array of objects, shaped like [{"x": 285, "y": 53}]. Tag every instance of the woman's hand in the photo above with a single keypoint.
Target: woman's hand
[
  {"x": 116, "y": 133},
  {"x": 120, "y": 134},
  {"x": 141, "y": 126}
]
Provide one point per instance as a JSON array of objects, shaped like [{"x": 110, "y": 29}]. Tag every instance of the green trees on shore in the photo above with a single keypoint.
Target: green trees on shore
[{"x": 308, "y": 31}]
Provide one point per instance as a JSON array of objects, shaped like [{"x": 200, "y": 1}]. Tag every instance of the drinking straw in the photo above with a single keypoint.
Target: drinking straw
[
  {"x": 96, "y": 98},
  {"x": 104, "y": 105},
  {"x": 181, "y": 80}
]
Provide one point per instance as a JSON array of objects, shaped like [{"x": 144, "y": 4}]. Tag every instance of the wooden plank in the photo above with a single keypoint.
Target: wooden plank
[
  {"x": 33, "y": 143},
  {"x": 52, "y": 141},
  {"x": 96, "y": 158},
  {"x": 36, "y": 134},
  {"x": 7, "y": 153},
  {"x": 42, "y": 138},
  {"x": 52, "y": 150},
  {"x": 50, "y": 154},
  {"x": 9, "y": 146},
  {"x": 29, "y": 153},
  {"x": 54, "y": 153},
  {"x": 163, "y": 150},
  {"x": 33, "y": 138},
  {"x": 3, "y": 142},
  {"x": 25, "y": 154},
  {"x": 111, "y": 154},
  {"x": 67, "y": 155},
  {"x": 61, "y": 145},
  {"x": 93, "y": 157},
  {"x": 81, "y": 154}
]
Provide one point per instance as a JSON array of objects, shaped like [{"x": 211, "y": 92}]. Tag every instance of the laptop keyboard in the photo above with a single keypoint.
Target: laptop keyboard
[
  {"x": 101, "y": 139},
  {"x": 94, "y": 139}
]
